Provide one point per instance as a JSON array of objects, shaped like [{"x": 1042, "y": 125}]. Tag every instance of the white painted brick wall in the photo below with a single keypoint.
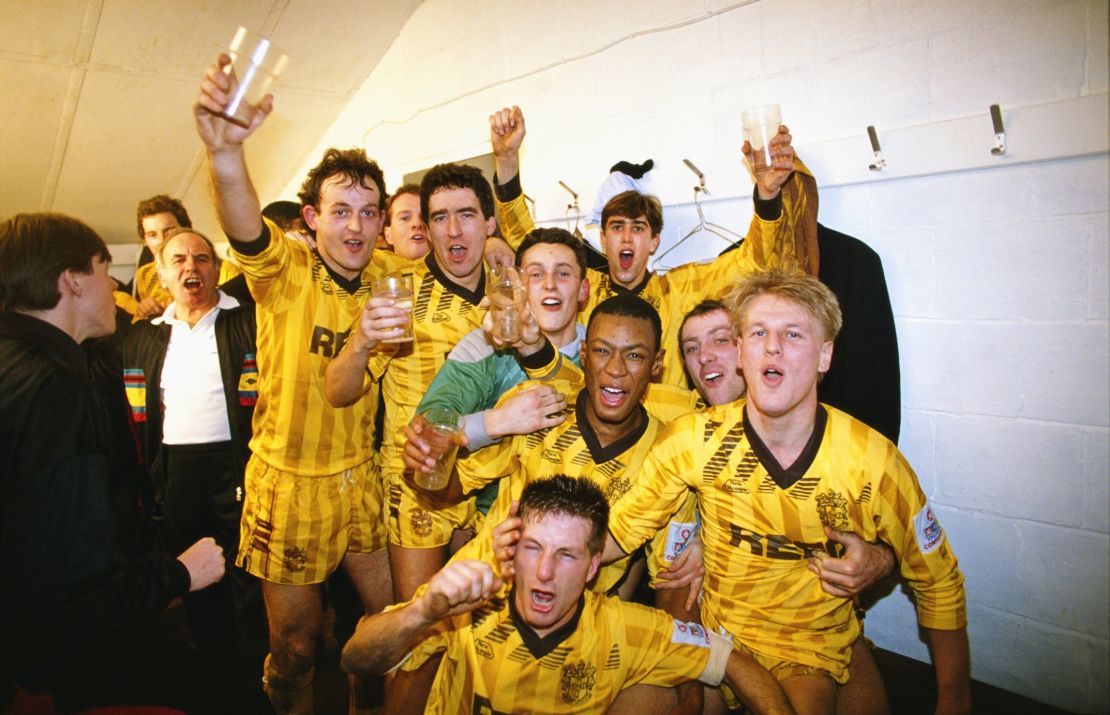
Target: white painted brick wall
[{"x": 998, "y": 275}]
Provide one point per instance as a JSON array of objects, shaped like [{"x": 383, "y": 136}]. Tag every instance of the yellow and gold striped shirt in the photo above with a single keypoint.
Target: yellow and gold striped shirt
[
  {"x": 757, "y": 534},
  {"x": 769, "y": 244},
  {"x": 494, "y": 663},
  {"x": 304, "y": 317}
]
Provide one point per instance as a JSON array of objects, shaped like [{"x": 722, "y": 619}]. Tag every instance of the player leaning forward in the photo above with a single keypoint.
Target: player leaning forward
[
  {"x": 771, "y": 471},
  {"x": 542, "y": 643}
]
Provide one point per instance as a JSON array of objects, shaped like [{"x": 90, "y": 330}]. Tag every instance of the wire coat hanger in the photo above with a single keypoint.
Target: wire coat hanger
[{"x": 702, "y": 225}]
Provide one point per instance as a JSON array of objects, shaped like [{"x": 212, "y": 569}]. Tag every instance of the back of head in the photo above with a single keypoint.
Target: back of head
[
  {"x": 631, "y": 306},
  {"x": 800, "y": 289},
  {"x": 162, "y": 204},
  {"x": 568, "y": 496},
  {"x": 355, "y": 168},
  {"x": 632, "y": 205},
  {"x": 456, "y": 176},
  {"x": 285, "y": 214},
  {"x": 556, "y": 236},
  {"x": 37, "y": 248}
]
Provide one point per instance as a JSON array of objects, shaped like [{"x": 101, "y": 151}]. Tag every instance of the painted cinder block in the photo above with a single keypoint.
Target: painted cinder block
[{"x": 1020, "y": 470}]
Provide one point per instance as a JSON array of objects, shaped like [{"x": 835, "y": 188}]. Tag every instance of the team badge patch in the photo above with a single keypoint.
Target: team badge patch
[
  {"x": 421, "y": 522},
  {"x": 832, "y": 509},
  {"x": 927, "y": 529},
  {"x": 577, "y": 682},
  {"x": 690, "y": 634},
  {"x": 295, "y": 559}
]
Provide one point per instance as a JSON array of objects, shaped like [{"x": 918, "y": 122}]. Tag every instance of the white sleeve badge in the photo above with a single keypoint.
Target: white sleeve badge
[
  {"x": 690, "y": 634},
  {"x": 927, "y": 530}
]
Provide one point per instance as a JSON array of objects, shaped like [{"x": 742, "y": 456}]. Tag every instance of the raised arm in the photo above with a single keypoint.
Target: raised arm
[
  {"x": 383, "y": 640},
  {"x": 237, "y": 205},
  {"x": 506, "y": 136}
]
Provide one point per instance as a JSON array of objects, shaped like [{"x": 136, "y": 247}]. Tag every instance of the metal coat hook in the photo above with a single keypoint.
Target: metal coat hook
[
  {"x": 877, "y": 160},
  {"x": 999, "y": 147},
  {"x": 572, "y": 206},
  {"x": 701, "y": 179}
]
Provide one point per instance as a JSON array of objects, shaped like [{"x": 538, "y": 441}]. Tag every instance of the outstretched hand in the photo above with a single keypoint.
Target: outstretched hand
[{"x": 215, "y": 131}]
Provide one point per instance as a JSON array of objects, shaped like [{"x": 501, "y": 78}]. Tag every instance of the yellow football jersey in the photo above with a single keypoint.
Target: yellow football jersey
[
  {"x": 443, "y": 312},
  {"x": 304, "y": 316},
  {"x": 571, "y": 448},
  {"x": 769, "y": 244},
  {"x": 760, "y": 523},
  {"x": 148, "y": 284},
  {"x": 493, "y": 663}
]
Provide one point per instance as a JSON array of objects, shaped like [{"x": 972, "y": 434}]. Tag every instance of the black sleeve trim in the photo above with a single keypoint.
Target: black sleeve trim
[
  {"x": 255, "y": 247},
  {"x": 539, "y": 359},
  {"x": 768, "y": 210},
  {"x": 509, "y": 190}
]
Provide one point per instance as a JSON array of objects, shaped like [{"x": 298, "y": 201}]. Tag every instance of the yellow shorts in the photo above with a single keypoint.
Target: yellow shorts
[
  {"x": 780, "y": 669},
  {"x": 297, "y": 529},
  {"x": 414, "y": 523},
  {"x": 671, "y": 540}
]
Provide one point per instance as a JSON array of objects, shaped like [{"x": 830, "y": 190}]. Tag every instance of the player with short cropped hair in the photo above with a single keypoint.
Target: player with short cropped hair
[{"x": 542, "y": 644}]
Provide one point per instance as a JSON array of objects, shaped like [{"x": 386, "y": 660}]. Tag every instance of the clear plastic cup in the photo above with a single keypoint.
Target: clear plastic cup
[
  {"x": 507, "y": 295},
  {"x": 761, "y": 124},
  {"x": 442, "y": 430},
  {"x": 255, "y": 64},
  {"x": 397, "y": 286}
]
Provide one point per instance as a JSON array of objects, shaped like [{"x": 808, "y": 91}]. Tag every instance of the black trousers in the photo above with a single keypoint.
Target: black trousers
[{"x": 203, "y": 497}]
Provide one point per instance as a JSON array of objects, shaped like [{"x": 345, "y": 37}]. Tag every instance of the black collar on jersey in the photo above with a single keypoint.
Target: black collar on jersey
[
  {"x": 473, "y": 297},
  {"x": 351, "y": 285},
  {"x": 601, "y": 454},
  {"x": 785, "y": 478},
  {"x": 540, "y": 646},
  {"x": 636, "y": 290}
]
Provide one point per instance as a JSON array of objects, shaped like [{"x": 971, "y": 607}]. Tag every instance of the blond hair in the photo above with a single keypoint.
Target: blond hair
[{"x": 804, "y": 290}]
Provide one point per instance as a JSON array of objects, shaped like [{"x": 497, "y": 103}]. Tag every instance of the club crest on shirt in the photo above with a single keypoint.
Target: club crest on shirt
[
  {"x": 295, "y": 558},
  {"x": 440, "y": 317},
  {"x": 832, "y": 509},
  {"x": 577, "y": 682},
  {"x": 421, "y": 522}
]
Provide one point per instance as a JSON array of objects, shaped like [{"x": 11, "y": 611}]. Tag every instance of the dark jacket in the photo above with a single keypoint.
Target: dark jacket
[
  {"x": 864, "y": 379},
  {"x": 65, "y": 584},
  {"x": 143, "y": 352}
]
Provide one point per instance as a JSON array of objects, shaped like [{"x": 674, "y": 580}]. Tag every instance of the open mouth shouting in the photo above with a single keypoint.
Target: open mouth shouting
[
  {"x": 612, "y": 397},
  {"x": 625, "y": 259},
  {"x": 541, "y": 600}
]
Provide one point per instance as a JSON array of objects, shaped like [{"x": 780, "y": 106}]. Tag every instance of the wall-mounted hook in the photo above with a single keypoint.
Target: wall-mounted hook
[
  {"x": 573, "y": 204},
  {"x": 701, "y": 178},
  {"x": 999, "y": 147},
  {"x": 877, "y": 160}
]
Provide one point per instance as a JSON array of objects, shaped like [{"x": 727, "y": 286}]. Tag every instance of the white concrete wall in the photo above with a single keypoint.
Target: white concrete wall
[{"x": 997, "y": 266}]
